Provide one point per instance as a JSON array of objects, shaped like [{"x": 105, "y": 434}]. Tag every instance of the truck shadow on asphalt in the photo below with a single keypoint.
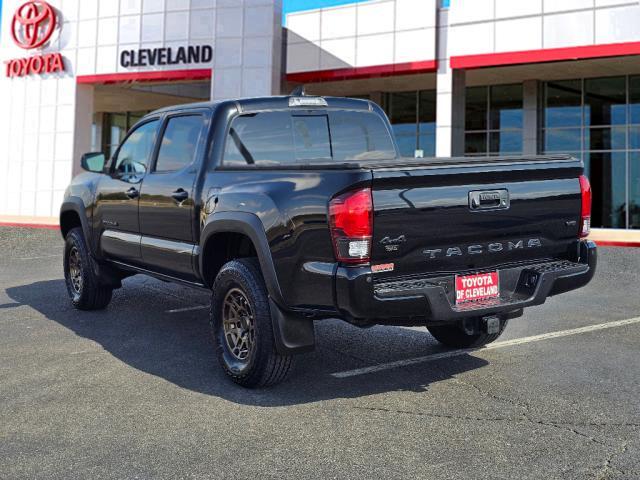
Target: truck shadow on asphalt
[{"x": 177, "y": 347}]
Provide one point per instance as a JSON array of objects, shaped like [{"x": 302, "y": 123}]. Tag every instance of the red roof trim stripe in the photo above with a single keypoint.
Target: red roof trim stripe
[
  {"x": 427, "y": 66},
  {"x": 155, "y": 76},
  {"x": 545, "y": 55}
]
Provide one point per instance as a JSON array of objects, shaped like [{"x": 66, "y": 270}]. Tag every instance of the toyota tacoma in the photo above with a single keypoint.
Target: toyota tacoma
[{"x": 295, "y": 209}]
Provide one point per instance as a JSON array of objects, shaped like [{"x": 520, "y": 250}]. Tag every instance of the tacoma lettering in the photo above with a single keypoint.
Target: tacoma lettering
[{"x": 496, "y": 247}]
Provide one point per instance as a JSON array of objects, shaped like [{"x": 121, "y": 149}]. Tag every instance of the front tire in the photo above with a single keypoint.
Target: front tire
[
  {"x": 240, "y": 320},
  {"x": 455, "y": 336},
  {"x": 83, "y": 285}
]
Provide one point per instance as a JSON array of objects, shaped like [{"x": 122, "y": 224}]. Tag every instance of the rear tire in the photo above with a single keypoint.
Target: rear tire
[
  {"x": 83, "y": 285},
  {"x": 240, "y": 320},
  {"x": 455, "y": 336}
]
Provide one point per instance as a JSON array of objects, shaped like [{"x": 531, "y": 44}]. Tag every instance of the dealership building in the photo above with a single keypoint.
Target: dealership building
[{"x": 465, "y": 77}]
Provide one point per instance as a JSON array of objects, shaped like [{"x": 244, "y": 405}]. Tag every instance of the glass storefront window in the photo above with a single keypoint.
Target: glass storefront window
[
  {"x": 505, "y": 142},
  {"x": 402, "y": 110},
  {"x": 634, "y": 190},
  {"x": 427, "y": 122},
  {"x": 634, "y": 138},
  {"x": 493, "y": 120},
  {"x": 562, "y": 139},
  {"x": 598, "y": 119},
  {"x": 476, "y": 143},
  {"x": 634, "y": 100},
  {"x": 605, "y": 101},
  {"x": 609, "y": 138},
  {"x": 117, "y": 130},
  {"x": 607, "y": 173},
  {"x": 563, "y": 104},
  {"x": 476, "y": 104},
  {"x": 506, "y": 107},
  {"x": 427, "y": 143},
  {"x": 413, "y": 119}
]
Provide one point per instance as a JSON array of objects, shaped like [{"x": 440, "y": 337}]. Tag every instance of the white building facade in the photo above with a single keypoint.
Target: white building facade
[
  {"x": 476, "y": 77},
  {"x": 122, "y": 58}
]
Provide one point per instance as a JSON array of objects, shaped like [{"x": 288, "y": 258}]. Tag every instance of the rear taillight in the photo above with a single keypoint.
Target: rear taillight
[
  {"x": 351, "y": 223},
  {"x": 585, "y": 215}
]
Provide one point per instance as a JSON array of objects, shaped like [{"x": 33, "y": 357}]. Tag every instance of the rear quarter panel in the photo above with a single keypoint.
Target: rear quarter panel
[{"x": 293, "y": 207}]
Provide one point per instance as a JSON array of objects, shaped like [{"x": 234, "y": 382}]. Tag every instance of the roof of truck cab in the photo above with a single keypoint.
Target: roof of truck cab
[{"x": 268, "y": 103}]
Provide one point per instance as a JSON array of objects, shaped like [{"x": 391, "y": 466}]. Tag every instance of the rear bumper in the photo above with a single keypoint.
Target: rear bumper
[{"x": 432, "y": 299}]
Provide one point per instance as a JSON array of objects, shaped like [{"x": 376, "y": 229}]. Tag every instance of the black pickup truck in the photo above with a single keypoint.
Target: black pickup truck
[{"x": 296, "y": 209}]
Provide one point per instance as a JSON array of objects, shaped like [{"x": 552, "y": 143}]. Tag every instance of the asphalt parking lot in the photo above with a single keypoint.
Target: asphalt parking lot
[{"x": 135, "y": 392}]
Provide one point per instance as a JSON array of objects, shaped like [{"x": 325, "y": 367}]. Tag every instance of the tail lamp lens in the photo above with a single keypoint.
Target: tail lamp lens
[
  {"x": 351, "y": 223},
  {"x": 585, "y": 215}
]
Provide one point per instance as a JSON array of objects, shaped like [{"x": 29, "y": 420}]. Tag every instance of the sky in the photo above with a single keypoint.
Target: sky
[{"x": 299, "y": 5}]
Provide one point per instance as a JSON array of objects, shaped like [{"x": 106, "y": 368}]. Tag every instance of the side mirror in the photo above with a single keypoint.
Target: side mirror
[{"x": 93, "y": 162}]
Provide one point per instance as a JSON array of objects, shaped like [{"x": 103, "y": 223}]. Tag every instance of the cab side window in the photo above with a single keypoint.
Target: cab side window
[
  {"x": 134, "y": 154},
  {"x": 179, "y": 143}
]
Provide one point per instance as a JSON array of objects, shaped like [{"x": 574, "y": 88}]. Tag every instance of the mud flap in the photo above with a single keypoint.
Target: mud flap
[
  {"x": 107, "y": 275},
  {"x": 292, "y": 334}
]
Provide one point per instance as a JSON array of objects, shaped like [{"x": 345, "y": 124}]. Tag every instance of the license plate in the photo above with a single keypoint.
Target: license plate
[{"x": 480, "y": 286}]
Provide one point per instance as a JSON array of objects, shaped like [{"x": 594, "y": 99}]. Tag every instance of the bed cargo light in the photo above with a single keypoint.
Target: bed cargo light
[
  {"x": 351, "y": 223},
  {"x": 307, "y": 102}
]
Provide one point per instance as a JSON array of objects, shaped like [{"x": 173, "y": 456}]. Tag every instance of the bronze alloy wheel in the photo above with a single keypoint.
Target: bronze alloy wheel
[
  {"x": 242, "y": 326},
  {"x": 75, "y": 270},
  {"x": 239, "y": 325},
  {"x": 82, "y": 280}
]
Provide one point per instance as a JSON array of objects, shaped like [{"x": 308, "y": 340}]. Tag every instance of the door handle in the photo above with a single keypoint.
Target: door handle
[
  {"x": 132, "y": 193},
  {"x": 180, "y": 195}
]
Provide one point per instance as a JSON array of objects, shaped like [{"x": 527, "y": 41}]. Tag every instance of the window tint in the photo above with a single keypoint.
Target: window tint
[
  {"x": 179, "y": 143},
  {"x": 359, "y": 136},
  {"x": 263, "y": 138},
  {"x": 277, "y": 138},
  {"x": 311, "y": 137},
  {"x": 133, "y": 156}
]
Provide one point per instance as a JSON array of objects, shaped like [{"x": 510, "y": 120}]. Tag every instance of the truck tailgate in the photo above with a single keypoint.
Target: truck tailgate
[{"x": 457, "y": 215}]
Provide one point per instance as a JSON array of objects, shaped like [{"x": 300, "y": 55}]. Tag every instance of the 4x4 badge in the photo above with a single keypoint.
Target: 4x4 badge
[{"x": 392, "y": 244}]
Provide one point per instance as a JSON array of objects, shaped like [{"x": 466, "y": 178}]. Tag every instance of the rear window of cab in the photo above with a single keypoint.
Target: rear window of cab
[{"x": 290, "y": 138}]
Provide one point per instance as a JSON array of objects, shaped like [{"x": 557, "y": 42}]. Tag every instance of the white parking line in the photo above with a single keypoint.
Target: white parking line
[
  {"x": 188, "y": 309},
  {"x": 41, "y": 257},
  {"x": 492, "y": 346}
]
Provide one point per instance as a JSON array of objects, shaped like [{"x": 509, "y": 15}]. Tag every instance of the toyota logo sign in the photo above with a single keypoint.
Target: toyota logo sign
[{"x": 33, "y": 24}]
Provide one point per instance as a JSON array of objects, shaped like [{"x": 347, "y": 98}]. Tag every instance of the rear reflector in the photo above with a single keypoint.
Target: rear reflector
[
  {"x": 351, "y": 224},
  {"x": 585, "y": 215}
]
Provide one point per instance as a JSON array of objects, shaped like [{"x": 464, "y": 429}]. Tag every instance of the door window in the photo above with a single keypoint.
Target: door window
[
  {"x": 134, "y": 154},
  {"x": 179, "y": 143}
]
